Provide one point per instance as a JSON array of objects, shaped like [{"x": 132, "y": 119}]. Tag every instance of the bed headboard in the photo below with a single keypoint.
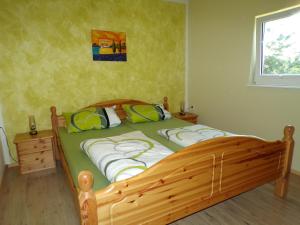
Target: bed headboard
[{"x": 59, "y": 120}]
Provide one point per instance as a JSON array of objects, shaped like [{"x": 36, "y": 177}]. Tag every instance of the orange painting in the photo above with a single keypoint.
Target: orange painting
[{"x": 109, "y": 46}]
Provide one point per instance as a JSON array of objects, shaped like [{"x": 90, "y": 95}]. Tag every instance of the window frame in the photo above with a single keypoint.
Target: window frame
[{"x": 258, "y": 79}]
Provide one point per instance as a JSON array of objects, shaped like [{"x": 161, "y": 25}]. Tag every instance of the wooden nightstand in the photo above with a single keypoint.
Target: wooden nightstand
[
  {"x": 189, "y": 117},
  {"x": 35, "y": 152}
]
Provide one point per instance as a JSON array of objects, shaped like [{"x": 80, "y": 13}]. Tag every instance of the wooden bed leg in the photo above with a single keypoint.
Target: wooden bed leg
[
  {"x": 55, "y": 130},
  {"x": 166, "y": 104},
  {"x": 282, "y": 183},
  {"x": 87, "y": 199}
]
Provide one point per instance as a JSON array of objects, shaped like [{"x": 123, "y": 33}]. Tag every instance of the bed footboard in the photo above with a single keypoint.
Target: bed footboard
[
  {"x": 87, "y": 199},
  {"x": 282, "y": 182},
  {"x": 193, "y": 179}
]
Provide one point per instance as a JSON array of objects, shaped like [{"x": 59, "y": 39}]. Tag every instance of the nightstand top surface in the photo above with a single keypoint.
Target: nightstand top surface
[
  {"x": 186, "y": 115},
  {"x": 25, "y": 137}
]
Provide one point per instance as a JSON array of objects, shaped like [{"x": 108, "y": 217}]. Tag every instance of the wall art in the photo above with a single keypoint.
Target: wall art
[{"x": 109, "y": 46}]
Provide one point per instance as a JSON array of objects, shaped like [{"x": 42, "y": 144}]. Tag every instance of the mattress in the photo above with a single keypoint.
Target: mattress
[{"x": 78, "y": 160}]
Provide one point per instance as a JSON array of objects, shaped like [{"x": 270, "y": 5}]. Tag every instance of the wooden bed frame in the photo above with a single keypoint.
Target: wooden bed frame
[{"x": 190, "y": 180}]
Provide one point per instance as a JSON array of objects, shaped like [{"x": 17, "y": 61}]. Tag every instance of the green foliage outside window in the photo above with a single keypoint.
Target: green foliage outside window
[{"x": 277, "y": 62}]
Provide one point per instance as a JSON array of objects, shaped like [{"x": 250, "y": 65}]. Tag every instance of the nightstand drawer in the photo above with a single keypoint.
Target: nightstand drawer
[
  {"x": 35, "y": 146},
  {"x": 36, "y": 161},
  {"x": 35, "y": 152}
]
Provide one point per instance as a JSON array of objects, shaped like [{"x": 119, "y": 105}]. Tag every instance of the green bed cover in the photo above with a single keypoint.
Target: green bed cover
[{"x": 78, "y": 160}]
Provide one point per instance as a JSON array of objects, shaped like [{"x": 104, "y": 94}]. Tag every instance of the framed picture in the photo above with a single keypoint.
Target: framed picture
[{"x": 109, "y": 46}]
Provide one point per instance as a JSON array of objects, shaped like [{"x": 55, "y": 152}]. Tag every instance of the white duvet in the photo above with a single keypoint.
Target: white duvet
[
  {"x": 121, "y": 157},
  {"x": 185, "y": 136}
]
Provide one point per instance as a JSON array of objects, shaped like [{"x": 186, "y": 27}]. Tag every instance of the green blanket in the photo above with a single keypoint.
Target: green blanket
[{"x": 78, "y": 161}]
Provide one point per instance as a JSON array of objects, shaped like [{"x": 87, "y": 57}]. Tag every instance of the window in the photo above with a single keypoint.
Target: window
[{"x": 277, "y": 53}]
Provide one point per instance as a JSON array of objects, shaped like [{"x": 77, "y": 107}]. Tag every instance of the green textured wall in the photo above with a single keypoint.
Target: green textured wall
[{"x": 46, "y": 56}]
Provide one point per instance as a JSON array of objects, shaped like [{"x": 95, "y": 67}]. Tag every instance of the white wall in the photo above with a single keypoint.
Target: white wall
[
  {"x": 2, "y": 166},
  {"x": 4, "y": 154},
  {"x": 5, "y": 149},
  {"x": 220, "y": 41}
]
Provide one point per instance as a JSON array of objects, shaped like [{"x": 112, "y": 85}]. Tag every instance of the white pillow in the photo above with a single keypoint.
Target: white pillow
[
  {"x": 114, "y": 120},
  {"x": 167, "y": 114}
]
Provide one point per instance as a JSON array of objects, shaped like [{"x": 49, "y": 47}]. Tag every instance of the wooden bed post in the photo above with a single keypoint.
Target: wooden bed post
[
  {"x": 282, "y": 183},
  {"x": 87, "y": 199},
  {"x": 55, "y": 130},
  {"x": 166, "y": 104}
]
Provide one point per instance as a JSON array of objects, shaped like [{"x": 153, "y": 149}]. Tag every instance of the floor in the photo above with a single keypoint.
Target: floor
[
  {"x": 45, "y": 199},
  {"x": 36, "y": 199}
]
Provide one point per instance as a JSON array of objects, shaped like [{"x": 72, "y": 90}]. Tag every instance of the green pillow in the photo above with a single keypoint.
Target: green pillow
[
  {"x": 87, "y": 119},
  {"x": 144, "y": 113}
]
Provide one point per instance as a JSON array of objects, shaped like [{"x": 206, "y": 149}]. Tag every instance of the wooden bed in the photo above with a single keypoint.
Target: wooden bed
[{"x": 190, "y": 180}]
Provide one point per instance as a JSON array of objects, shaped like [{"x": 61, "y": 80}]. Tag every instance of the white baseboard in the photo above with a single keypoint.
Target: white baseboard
[
  {"x": 296, "y": 172},
  {"x": 2, "y": 175},
  {"x": 12, "y": 165}
]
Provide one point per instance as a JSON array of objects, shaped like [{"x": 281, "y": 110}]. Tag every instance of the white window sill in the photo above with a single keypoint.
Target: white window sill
[{"x": 272, "y": 86}]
